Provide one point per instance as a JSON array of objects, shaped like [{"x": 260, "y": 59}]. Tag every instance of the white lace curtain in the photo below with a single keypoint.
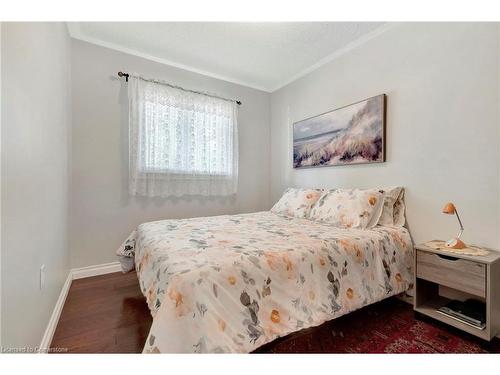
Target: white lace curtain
[{"x": 181, "y": 143}]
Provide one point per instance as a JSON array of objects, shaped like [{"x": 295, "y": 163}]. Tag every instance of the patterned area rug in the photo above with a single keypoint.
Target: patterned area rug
[{"x": 389, "y": 326}]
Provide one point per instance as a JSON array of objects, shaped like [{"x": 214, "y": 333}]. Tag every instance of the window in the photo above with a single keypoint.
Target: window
[{"x": 181, "y": 143}]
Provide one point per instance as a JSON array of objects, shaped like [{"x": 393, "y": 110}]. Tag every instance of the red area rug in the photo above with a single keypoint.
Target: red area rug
[{"x": 389, "y": 326}]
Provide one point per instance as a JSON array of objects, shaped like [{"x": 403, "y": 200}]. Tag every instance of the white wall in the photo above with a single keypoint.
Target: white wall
[
  {"x": 36, "y": 106},
  {"x": 102, "y": 213},
  {"x": 441, "y": 82}
]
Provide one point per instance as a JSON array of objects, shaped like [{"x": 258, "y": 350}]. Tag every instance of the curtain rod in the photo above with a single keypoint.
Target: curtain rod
[{"x": 126, "y": 75}]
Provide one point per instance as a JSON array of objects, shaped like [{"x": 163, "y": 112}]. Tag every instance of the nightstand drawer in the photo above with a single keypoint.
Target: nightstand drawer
[{"x": 461, "y": 274}]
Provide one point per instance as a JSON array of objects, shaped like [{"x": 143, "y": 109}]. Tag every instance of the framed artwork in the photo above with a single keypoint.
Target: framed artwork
[{"x": 354, "y": 134}]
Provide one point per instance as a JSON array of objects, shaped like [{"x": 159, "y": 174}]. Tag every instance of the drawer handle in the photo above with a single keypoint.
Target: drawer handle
[{"x": 447, "y": 257}]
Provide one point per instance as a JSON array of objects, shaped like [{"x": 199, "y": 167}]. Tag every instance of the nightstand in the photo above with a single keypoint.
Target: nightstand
[{"x": 441, "y": 276}]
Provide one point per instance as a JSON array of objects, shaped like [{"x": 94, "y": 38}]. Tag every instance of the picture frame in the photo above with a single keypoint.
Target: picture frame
[{"x": 348, "y": 135}]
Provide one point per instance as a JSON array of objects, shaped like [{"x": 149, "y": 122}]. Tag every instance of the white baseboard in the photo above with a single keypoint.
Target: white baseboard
[
  {"x": 74, "y": 274},
  {"x": 99, "y": 269},
  {"x": 54, "y": 318}
]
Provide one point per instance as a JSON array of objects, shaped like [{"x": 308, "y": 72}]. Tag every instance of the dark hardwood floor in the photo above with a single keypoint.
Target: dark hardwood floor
[
  {"x": 104, "y": 314},
  {"x": 108, "y": 314}
]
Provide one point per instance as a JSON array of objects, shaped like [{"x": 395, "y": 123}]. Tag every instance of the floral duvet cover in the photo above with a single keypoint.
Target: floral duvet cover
[{"x": 233, "y": 283}]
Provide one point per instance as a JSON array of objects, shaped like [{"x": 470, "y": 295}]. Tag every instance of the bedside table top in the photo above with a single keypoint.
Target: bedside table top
[{"x": 492, "y": 257}]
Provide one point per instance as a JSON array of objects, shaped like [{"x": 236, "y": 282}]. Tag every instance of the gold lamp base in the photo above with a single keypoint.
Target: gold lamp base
[{"x": 455, "y": 243}]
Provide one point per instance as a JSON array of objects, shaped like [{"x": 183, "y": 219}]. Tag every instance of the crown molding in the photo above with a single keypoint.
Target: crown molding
[
  {"x": 76, "y": 32},
  {"x": 342, "y": 51}
]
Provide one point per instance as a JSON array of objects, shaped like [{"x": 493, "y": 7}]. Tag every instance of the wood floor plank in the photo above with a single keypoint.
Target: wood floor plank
[
  {"x": 109, "y": 314},
  {"x": 104, "y": 314}
]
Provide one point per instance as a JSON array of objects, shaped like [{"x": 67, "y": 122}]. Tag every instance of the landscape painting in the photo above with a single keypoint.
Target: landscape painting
[{"x": 353, "y": 134}]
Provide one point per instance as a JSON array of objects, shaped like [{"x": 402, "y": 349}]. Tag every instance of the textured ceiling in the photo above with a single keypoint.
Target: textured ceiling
[{"x": 260, "y": 55}]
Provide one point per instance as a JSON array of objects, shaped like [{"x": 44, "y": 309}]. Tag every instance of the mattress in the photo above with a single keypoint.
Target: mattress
[{"x": 233, "y": 283}]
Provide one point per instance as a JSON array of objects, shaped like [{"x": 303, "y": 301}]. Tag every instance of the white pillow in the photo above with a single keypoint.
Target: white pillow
[
  {"x": 297, "y": 202},
  {"x": 393, "y": 208},
  {"x": 349, "y": 208}
]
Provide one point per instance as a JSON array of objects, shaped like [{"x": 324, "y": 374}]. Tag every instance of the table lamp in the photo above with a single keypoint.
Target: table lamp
[{"x": 454, "y": 243}]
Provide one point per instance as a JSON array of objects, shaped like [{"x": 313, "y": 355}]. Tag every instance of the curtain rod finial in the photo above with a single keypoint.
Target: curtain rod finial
[{"x": 126, "y": 75}]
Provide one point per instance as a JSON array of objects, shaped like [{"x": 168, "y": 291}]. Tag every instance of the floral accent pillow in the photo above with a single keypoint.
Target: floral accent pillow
[
  {"x": 349, "y": 208},
  {"x": 297, "y": 202},
  {"x": 393, "y": 210}
]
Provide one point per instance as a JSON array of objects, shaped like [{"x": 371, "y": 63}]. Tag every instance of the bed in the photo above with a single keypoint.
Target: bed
[{"x": 233, "y": 283}]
